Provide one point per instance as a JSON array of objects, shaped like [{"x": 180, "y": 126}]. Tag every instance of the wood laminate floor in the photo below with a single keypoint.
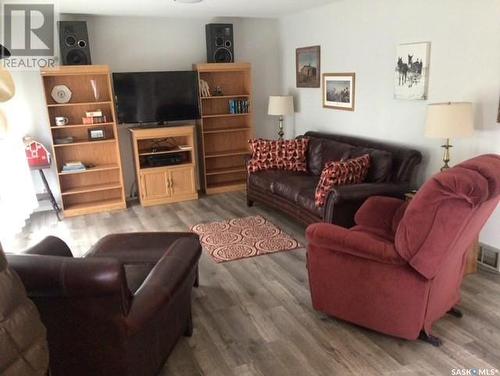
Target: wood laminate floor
[{"x": 254, "y": 316}]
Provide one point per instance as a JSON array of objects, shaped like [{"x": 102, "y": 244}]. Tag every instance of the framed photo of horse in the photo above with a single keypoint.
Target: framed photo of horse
[
  {"x": 308, "y": 66},
  {"x": 411, "y": 76},
  {"x": 339, "y": 90}
]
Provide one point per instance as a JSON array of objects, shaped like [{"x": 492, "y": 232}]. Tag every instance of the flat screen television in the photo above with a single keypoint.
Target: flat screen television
[{"x": 156, "y": 97}]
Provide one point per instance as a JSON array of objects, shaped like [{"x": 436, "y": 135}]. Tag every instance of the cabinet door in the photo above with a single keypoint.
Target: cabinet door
[
  {"x": 154, "y": 185},
  {"x": 182, "y": 181}
]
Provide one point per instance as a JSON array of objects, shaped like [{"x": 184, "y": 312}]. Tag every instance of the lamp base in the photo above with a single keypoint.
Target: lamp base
[
  {"x": 446, "y": 155},
  {"x": 281, "y": 133}
]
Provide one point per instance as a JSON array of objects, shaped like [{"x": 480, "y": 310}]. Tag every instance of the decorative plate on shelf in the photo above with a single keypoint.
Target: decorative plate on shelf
[{"x": 61, "y": 94}]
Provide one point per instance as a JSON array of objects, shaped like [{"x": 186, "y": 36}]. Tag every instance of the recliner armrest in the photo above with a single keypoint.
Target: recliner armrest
[
  {"x": 50, "y": 246},
  {"x": 49, "y": 276},
  {"x": 170, "y": 274},
  {"x": 378, "y": 212},
  {"x": 354, "y": 243}
]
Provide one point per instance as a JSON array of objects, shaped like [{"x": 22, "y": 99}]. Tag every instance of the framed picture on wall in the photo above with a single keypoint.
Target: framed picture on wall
[
  {"x": 411, "y": 75},
  {"x": 308, "y": 66},
  {"x": 339, "y": 91}
]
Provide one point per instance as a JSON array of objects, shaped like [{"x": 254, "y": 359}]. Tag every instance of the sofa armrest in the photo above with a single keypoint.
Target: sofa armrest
[
  {"x": 49, "y": 276},
  {"x": 176, "y": 269},
  {"x": 50, "y": 246},
  {"x": 344, "y": 201},
  {"x": 378, "y": 212},
  {"x": 354, "y": 243}
]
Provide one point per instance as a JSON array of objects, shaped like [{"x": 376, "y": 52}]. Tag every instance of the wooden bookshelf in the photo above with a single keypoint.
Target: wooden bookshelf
[
  {"x": 99, "y": 188},
  {"x": 225, "y": 135}
]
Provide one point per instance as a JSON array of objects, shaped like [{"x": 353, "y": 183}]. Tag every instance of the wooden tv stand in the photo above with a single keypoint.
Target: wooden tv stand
[{"x": 165, "y": 164}]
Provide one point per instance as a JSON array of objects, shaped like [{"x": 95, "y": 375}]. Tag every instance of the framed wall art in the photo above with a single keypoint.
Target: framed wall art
[
  {"x": 308, "y": 66},
  {"x": 339, "y": 91},
  {"x": 411, "y": 75}
]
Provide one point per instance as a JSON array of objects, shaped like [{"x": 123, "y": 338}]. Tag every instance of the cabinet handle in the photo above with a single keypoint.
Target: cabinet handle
[{"x": 171, "y": 183}]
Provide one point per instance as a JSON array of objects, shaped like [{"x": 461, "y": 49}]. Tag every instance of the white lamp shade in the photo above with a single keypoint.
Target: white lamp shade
[
  {"x": 449, "y": 120},
  {"x": 280, "y": 105}
]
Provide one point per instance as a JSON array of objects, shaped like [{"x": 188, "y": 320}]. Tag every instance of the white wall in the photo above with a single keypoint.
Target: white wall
[
  {"x": 142, "y": 44},
  {"x": 361, "y": 36}
]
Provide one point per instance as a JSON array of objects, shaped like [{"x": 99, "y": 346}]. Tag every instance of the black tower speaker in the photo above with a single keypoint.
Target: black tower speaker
[
  {"x": 220, "y": 43},
  {"x": 74, "y": 43}
]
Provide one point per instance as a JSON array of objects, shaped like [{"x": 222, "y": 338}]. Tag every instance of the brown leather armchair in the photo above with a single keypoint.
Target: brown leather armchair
[{"x": 118, "y": 311}]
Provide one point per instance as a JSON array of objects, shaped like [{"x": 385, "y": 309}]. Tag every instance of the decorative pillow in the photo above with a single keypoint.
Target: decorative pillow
[
  {"x": 351, "y": 171},
  {"x": 278, "y": 154}
]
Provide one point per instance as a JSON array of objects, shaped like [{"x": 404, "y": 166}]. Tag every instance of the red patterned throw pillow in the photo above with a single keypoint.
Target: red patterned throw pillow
[
  {"x": 278, "y": 154},
  {"x": 351, "y": 171}
]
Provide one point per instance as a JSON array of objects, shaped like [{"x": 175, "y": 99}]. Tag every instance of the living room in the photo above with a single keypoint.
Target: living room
[{"x": 164, "y": 213}]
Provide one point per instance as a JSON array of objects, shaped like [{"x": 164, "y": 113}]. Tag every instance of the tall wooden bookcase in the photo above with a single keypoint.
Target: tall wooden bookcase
[
  {"x": 100, "y": 187},
  {"x": 224, "y": 141}
]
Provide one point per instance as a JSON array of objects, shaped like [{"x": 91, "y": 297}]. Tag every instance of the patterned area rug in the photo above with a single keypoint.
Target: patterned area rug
[{"x": 242, "y": 238}]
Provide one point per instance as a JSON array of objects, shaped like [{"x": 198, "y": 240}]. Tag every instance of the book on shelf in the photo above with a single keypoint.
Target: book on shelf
[
  {"x": 73, "y": 166},
  {"x": 238, "y": 106}
]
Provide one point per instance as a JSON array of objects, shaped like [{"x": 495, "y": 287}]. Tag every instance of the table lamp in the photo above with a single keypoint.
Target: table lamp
[
  {"x": 280, "y": 105},
  {"x": 449, "y": 120}
]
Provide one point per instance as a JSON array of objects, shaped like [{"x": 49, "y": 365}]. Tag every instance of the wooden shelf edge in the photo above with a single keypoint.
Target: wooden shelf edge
[
  {"x": 79, "y": 143},
  {"x": 69, "y": 104},
  {"x": 227, "y": 96},
  {"x": 180, "y": 150},
  {"x": 92, "y": 188},
  {"x": 223, "y": 171},
  {"x": 71, "y": 126},
  {"x": 75, "y": 70},
  {"x": 97, "y": 168},
  {"x": 73, "y": 210},
  {"x": 215, "y": 131},
  {"x": 227, "y": 153},
  {"x": 225, "y": 115},
  {"x": 225, "y": 187},
  {"x": 160, "y": 168},
  {"x": 221, "y": 67}
]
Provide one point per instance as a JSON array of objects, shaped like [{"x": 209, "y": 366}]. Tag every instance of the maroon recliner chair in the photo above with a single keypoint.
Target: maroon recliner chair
[{"x": 399, "y": 269}]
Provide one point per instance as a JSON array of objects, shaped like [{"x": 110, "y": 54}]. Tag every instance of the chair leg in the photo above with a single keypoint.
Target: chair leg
[
  {"x": 189, "y": 328},
  {"x": 456, "y": 313},
  {"x": 249, "y": 203},
  {"x": 429, "y": 338}
]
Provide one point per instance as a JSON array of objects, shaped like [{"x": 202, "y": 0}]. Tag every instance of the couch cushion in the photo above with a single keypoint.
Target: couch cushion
[
  {"x": 315, "y": 156},
  {"x": 380, "y": 166},
  {"x": 320, "y": 151},
  {"x": 334, "y": 151},
  {"x": 288, "y": 186},
  {"x": 265, "y": 179}
]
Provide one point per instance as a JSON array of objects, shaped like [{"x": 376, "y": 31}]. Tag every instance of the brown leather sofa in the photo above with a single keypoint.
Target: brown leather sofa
[
  {"x": 390, "y": 174},
  {"x": 118, "y": 311}
]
